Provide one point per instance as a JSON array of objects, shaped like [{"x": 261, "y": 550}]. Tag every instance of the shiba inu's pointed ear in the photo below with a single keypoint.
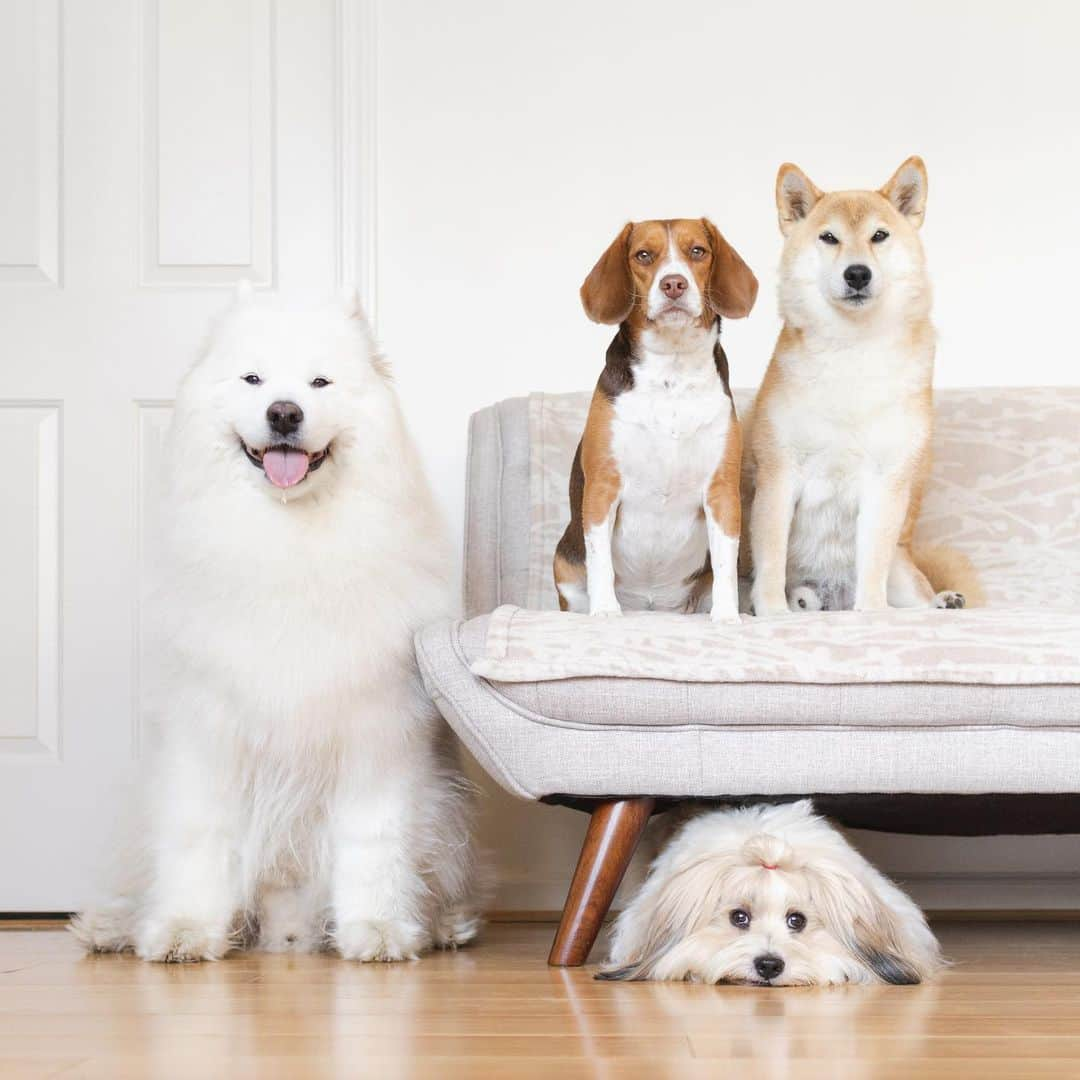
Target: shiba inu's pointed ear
[
  {"x": 796, "y": 196},
  {"x": 732, "y": 287},
  {"x": 608, "y": 292},
  {"x": 350, "y": 303},
  {"x": 906, "y": 190}
]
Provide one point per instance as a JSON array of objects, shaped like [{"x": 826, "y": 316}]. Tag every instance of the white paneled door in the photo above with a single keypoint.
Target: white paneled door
[{"x": 152, "y": 153}]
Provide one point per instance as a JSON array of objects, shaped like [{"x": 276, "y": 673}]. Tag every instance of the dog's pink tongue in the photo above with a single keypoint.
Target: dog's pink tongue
[{"x": 285, "y": 467}]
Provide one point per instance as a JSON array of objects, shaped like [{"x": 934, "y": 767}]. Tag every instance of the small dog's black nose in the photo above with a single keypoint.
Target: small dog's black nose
[
  {"x": 858, "y": 276},
  {"x": 768, "y": 966},
  {"x": 285, "y": 417}
]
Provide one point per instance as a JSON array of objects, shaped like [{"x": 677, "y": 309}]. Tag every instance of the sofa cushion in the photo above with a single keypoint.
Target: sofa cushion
[
  {"x": 998, "y": 646},
  {"x": 610, "y": 736}
]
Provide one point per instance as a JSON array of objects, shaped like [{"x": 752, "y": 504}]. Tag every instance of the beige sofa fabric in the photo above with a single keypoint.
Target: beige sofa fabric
[
  {"x": 602, "y": 736},
  {"x": 996, "y": 646}
]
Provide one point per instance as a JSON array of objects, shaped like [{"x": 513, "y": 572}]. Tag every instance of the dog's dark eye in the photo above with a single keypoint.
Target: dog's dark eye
[
  {"x": 740, "y": 919},
  {"x": 252, "y": 379},
  {"x": 828, "y": 238},
  {"x": 319, "y": 382},
  {"x": 643, "y": 257},
  {"x": 880, "y": 235},
  {"x": 698, "y": 252},
  {"x": 796, "y": 921}
]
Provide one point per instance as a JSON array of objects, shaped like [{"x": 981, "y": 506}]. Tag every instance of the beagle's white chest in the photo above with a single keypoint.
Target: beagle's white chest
[{"x": 669, "y": 435}]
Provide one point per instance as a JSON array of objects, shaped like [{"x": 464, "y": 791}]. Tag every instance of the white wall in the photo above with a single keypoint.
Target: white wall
[{"x": 515, "y": 139}]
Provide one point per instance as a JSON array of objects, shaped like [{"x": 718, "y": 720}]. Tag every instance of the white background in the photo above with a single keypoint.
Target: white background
[{"x": 466, "y": 163}]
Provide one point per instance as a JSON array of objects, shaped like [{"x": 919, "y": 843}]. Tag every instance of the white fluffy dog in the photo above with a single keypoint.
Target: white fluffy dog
[
  {"x": 769, "y": 896},
  {"x": 305, "y": 794}
]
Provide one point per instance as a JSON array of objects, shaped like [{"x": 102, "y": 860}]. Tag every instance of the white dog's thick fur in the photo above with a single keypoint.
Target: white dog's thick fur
[
  {"x": 769, "y": 896},
  {"x": 304, "y": 789}
]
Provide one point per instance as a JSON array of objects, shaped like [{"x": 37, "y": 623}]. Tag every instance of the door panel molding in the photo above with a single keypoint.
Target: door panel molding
[
  {"x": 207, "y": 142},
  {"x": 31, "y": 124},
  {"x": 30, "y": 633}
]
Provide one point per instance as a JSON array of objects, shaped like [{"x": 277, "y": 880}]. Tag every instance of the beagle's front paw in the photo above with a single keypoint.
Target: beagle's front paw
[{"x": 605, "y": 606}]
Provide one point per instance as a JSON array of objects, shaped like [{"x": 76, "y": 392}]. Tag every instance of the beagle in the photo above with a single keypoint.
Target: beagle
[{"x": 654, "y": 488}]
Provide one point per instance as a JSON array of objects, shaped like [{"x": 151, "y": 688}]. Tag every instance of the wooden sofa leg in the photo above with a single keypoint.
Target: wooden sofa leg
[{"x": 614, "y": 831}]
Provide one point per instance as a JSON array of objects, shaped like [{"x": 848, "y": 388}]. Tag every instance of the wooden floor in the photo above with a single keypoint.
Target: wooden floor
[{"x": 1010, "y": 1007}]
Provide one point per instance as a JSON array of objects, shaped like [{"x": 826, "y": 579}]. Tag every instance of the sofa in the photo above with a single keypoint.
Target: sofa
[{"x": 938, "y": 722}]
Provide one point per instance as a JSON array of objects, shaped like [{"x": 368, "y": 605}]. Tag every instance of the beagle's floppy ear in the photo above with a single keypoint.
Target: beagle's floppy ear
[
  {"x": 906, "y": 190},
  {"x": 796, "y": 196},
  {"x": 732, "y": 287},
  {"x": 608, "y": 292}
]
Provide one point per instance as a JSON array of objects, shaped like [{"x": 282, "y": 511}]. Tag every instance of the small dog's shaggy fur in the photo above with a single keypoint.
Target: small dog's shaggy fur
[
  {"x": 305, "y": 793},
  {"x": 769, "y": 896}
]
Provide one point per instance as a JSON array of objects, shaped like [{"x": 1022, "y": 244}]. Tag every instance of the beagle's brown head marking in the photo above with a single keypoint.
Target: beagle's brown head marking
[{"x": 677, "y": 271}]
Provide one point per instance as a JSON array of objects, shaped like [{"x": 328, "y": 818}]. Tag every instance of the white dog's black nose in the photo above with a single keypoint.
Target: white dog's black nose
[
  {"x": 858, "y": 276},
  {"x": 284, "y": 417},
  {"x": 768, "y": 966}
]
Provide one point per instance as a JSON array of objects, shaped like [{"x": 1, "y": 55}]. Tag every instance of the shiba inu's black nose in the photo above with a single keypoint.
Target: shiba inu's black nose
[
  {"x": 858, "y": 276},
  {"x": 285, "y": 417},
  {"x": 768, "y": 966}
]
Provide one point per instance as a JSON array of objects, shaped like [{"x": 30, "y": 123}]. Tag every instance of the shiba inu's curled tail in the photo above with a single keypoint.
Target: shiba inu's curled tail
[{"x": 950, "y": 570}]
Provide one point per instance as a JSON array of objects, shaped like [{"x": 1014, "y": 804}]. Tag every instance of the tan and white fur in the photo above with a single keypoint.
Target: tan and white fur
[
  {"x": 769, "y": 896},
  {"x": 302, "y": 792},
  {"x": 838, "y": 442},
  {"x": 654, "y": 488}
]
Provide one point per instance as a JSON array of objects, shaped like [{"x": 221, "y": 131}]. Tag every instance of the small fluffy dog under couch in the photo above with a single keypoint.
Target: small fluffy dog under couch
[
  {"x": 769, "y": 896},
  {"x": 305, "y": 793}
]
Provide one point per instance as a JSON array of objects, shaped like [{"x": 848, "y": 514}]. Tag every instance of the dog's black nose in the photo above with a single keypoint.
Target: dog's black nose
[
  {"x": 858, "y": 276},
  {"x": 285, "y": 417},
  {"x": 768, "y": 966}
]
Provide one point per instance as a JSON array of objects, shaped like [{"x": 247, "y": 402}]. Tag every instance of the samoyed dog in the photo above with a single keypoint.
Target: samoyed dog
[{"x": 304, "y": 793}]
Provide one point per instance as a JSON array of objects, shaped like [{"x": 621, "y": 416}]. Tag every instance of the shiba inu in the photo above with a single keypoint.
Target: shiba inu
[
  {"x": 304, "y": 793},
  {"x": 654, "y": 487},
  {"x": 838, "y": 443}
]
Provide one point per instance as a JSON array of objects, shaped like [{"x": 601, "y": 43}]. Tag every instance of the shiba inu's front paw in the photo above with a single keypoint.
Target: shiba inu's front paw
[
  {"x": 178, "y": 940},
  {"x": 380, "y": 941},
  {"x": 949, "y": 599}
]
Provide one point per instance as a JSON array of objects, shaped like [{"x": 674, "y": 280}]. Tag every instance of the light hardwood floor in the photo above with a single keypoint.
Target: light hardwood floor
[{"x": 1010, "y": 1007}]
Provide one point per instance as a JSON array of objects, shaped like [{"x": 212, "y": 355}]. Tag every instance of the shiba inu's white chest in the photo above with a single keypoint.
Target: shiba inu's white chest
[
  {"x": 849, "y": 419},
  {"x": 668, "y": 437}
]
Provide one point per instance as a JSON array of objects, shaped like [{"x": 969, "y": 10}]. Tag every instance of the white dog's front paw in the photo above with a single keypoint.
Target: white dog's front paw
[
  {"x": 949, "y": 599},
  {"x": 178, "y": 940},
  {"x": 385, "y": 940}
]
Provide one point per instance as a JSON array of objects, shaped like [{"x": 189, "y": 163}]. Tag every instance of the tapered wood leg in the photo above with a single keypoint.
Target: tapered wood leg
[{"x": 614, "y": 831}]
